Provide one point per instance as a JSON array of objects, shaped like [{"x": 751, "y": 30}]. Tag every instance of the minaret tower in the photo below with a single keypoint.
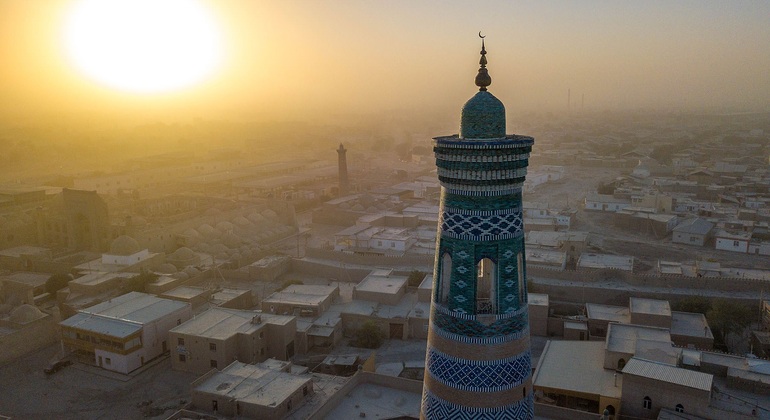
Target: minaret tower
[
  {"x": 342, "y": 163},
  {"x": 478, "y": 363}
]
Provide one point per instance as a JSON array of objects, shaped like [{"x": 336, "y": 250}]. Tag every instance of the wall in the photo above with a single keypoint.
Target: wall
[
  {"x": 662, "y": 395},
  {"x": 554, "y": 412},
  {"x": 29, "y": 338}
]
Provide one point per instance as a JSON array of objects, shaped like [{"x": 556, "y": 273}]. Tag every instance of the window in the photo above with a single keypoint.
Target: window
[
  {"x": 178, "y": 321},
  {"x": 213, "y": 363},
  {"x": 182, "y": 358},
  {"x": 213, "y": 346},
  {"x": 288, "y": 405},
  {"x": 108, "y": 361},
  {"x": 621, "y": 363},
  {"x": 180, "y": 341},
  {"x": 522, "y": 280},
  {"x": 446, "y": 277},
  {"x": 736, "y": 243},
  {"x": 647, "y": 403},
  {"x": 486, "y": 291},
  {"x": 261, "y": 335},
  {"x": 679, "y": 408},
  {"x": 304, "y": 390}
]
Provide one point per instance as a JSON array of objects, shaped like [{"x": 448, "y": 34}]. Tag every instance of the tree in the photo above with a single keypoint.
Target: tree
[
  {"x": 139, "y": 282},
  {"x": 726, "y": 317},
  {"x": 57, "y": 282},
  {"x": 415, "y": 278},
  {"x": 368, "y": 336},
  {"x": 693, "y": 304}
]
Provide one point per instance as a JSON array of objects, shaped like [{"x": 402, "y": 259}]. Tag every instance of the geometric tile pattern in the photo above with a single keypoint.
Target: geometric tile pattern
[
  {"x": 479, "y": 376},
  {"x": 482, "y": 227},
  {"x": 468, "y": 326},
  {"x": 437, "y": 408}
]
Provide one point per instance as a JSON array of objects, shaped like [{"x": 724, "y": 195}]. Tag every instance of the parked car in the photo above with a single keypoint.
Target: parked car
[{"x": 56, "y": 366}]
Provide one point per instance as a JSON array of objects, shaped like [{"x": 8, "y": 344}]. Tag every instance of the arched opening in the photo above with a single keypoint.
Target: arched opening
[
  {"x": 486, "y": 279},
  {"x": 679, "y": 408},
  {"x": 610, "y": 410},
  {"x": 647, "y": 403},
  {"x": 522, "y": 281},
  {"x": 446, "y": 277},
  {"x": 621, "y": 363}
]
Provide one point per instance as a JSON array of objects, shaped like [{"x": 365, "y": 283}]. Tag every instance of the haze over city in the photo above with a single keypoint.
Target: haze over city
[
  {"x": 384, "y": 209},
  {"x": 310, "y": 60}
]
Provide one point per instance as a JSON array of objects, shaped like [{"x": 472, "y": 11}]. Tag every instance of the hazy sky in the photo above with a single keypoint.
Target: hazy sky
[{"x": 297, "y": 59}]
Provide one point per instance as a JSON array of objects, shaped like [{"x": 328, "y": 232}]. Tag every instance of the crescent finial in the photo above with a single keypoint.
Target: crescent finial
[{"x": 482, "y": 36}]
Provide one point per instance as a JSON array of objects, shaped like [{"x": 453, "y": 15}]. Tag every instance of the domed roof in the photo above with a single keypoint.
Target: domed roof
[
  {"x": 25, "y": 313},
  {"x": 124, "y": 245},
  {"x": 183, "y": 253},
  {"x": 483, "y": 117},
  {"x": 225, "y": 227},
  {"x": 166, "y": 268},
  {"x": 270, "y": 215}
]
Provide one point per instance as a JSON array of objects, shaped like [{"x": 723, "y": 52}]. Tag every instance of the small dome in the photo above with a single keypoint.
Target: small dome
[
  {"x": 483, "y": 117},
  {"x": 191, "y": 271},
  {"x": 256, "y": 217},
  {"x": 182, "y": 275},
  {"x": 270, "y": 215},
  {"x": 124, "y": 245},
  {"x": 166, "y": 268},
  {"x": 25, "y": 313},
  {"x": 225, "y": 227},
  {"x": 242, "y": 221},
  {"x": 183, "y": 253}
]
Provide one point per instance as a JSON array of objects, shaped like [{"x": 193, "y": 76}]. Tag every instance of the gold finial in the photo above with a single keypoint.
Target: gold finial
[{"x": 482, "y": 79}]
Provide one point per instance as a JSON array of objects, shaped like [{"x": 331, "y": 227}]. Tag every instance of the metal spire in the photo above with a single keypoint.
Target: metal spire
[{"x": 482, "y": 79}]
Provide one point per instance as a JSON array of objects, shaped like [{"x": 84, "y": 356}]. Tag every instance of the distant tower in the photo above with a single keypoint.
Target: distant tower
[
  {"x": 478, "y": 363},
  {"x": 342, "y": 162}
]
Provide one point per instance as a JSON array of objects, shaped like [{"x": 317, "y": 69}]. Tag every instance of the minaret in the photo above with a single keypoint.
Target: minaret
[
  {"x": 342, "y": 162},
  {"x": 478, "y": 363}
]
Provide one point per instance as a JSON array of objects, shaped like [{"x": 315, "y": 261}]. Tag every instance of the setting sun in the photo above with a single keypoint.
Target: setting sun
[{"x": 143, "y": 46}]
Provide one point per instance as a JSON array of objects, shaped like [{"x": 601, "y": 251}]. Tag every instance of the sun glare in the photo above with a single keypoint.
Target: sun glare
[{"x": 143, "y": 46}]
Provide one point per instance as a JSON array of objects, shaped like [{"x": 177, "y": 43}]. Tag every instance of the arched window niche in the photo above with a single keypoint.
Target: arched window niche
[
  {"x": 446, "y": 278},
  {"x": 486, "y": 287}
]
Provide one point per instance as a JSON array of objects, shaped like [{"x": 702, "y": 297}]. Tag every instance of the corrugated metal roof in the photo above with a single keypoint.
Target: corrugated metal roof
[{"x": 670, "y": 374}]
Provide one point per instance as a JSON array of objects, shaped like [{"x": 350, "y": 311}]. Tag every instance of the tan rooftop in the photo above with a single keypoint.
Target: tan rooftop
[{"x": 576, "y": 366}]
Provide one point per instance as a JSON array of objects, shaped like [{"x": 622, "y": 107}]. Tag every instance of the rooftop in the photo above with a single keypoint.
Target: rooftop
[
  {"x": 377, "y": 283},
  {"x": 694, "y": 226},
  {"x": 31, "y": 279},
  {"x": 221, "y": 324},
  {"x": 255, "y": 384},
  {"x": 690, "y": 324},
  {"x": 557, "y": 369},
  {"x": 136, "y": 307},
  {"x": 101, "y": 325},
  {"x": 649, "y": 306},
  {"x": 624, "y": 338},
  {"x": 608, "y": 313},
  {"x": 670, "y": 374},
  {"x": 620, "y": 262},
  {"x": 539, "y": 299}
]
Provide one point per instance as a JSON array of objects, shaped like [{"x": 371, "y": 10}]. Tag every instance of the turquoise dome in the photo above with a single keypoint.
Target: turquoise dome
[{"x": 483, "y": 117}]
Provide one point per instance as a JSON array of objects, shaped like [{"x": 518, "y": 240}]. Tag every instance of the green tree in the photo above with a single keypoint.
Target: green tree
[
  {"x": 693, "y": 304},
  {"x": 139, "y": 282},
  {"x": 368, "y": 336},
  {"x": 415, "y": 278},
  {"x": 57, "y": 282},
  {"x": 726, "y": 317}
]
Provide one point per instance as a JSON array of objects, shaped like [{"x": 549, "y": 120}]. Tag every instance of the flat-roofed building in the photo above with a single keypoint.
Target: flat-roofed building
[
  {"x": 691, "y": 330},
  {"x": 301, "y": 300},
  {"x": 571, "y": 374},
  {"x": 381, "y": 286},
  {"x": 652, "y": 312},
  {"x": 649, "y": 386},
  {"x": 599, "y": 316},
  {"x": 251, "y": 391},
  {"x": 126, "y": 332},
  {"x": 624, "y": 341},
  {"x": 538, "y": 314},
  {"x": 693, "y": 232},
  {"x": 603, "y": 261},
  {"x": 219, "y": 336},
  {"x": 25, "y": 285}
]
